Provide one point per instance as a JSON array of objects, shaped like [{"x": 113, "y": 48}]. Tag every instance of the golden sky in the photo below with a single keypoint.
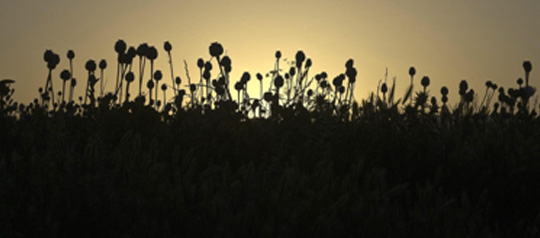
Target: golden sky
[{"x": 445, "y": 40}]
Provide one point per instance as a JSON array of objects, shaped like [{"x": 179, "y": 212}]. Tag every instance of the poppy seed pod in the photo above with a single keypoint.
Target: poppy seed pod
[
  {"x": 324, "y": 75},
  {"x": 221, "y": 80},
  {"x": 519, "y": 81},
  {"x": 245, "y": 77},
  {"x": 308, "y": 63},
  {"x": 278, "y": 54},
  {"x": 425, "y": 81},
  {"x": 300, "y": 57},
  {"x": 208, "y": 66},
  {"x": 167, "y": 46},
  {"x": 225, "y": 61},
  {"x": 65, "y": 75},
  {"x": 318, "y": 77},
  {"x": 192, "y": 87},
  {"x": 178, "y": 80},
  {"x": 292, "y": 71},
  {"x": 412, "y": 71},
  {"x": 384, "y": 88},
  {"x": 444, "y": 99},
  {"x": 152, "y": 53},
  {"x": 238, "y": 86},
  {"x": 130, "y": 77},
  {"x": 90, "y": 65},
  {"x": 463, "y": 86},
  {"x": 47, "y": 56},
  {"x": 287, "y": 76},
  {"x": 324, "y": 84},
  {"x": 120, "y": 46},
  {"x": 132, "y": 52},
  {"x": 200, "y": 63},
  {"x": 142, "y": 50},
  {"x": 444, "y": 91},
  {"x": 337, "y": 82},
  {"x": 268, "y": 96},
  {"x": 53, "y": 62},
  {"x": 164, "y": 87},
  {"x": 102, "y": 64},
  {"x": 220, "y": 90},
  {"x": 158, "y": 75},
  {"x": 206, "y": 75},
  {"x": 259, "y": 76},
  {"x": 150, "y": 84},
  {"x": 351, "y": 74},
  {"x": 527, "y": 66},
  {"x": 70, "y": 54},
  {"x": 349, "y": 63},
  {"x": 216, "y": 49},
  {"x": 310, "y": 92},
  {"x": 494, "y": 86},
  {"x": 341, "y": 89},
  {"x": 278, "y": 82},
  {"x": 489, "y": 84},
  {"x": 73, "y": 82}
]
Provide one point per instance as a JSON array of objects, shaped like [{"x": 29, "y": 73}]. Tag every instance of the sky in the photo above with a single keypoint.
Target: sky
[{"x": 446, "y": 40}]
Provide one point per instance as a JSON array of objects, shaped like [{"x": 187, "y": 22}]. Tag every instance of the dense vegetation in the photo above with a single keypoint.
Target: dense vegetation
[{"x": 301, "y": 159}]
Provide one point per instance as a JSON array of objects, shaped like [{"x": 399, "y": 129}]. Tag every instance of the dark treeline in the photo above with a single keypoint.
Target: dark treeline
[{"x": 302, "y": 158}]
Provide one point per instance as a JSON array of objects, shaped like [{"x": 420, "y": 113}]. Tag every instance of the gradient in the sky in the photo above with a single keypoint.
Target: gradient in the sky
[{"x": 445, "y": 40}]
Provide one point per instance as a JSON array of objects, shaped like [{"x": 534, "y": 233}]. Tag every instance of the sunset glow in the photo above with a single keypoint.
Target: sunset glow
[{"x": 447, "y": 41}]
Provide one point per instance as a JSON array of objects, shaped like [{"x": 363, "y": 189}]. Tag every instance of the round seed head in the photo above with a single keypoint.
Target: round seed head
[
  {"x": 245, "y": 77},
  {"x": 412, "y": 71},
  {"x": 308, "y": 63},
  {"x": 221, "y": 80},
  {"x": 337, "y": 82},
  {"x": 433, "y": 101},
  {"x": 425, "y": 81},
  {"x": 278, "y": 54},
  {"x": 351, "y": 74},
  {"x": 220, "y": 90},
  {"x": 130, "y": 77},
  {"x": 292, "y": 71},
  {"x": 47, "y": 56},
  {"x": 206, "y": 75},
  {"x": 225, "y": 61},
  {"x": 287, "y": 76},
  {"x": 70, "y": 54},
  {"x": 238, "y": 86},
  {"x": 150, "y": 84},
  {"x": 463, "y": 86},
  {"x": 489, "y": 84},
  {"x": 300, "y": 57},
  {"x": 142, "y": 49},
  {"x": 349, "y": 64},
  {"x": 164, "y": 87},
  {"x": 90, "y": 65},
  {"x": 178, "y": 80},
  {"x": 73, "y": 82},
  {"x": 384, "y": 88},
  {"x": 120, "y": 46},
  {"x": 216, "y": 49},
  {"x": 102, "y": 64},
  {"x": 192, "y": 87},
  {"x": 324, "y": 75},
  {"x": 152, "y": 53},
  {"x": 53, "y": 62},
  {"x": 268, "y": 96},
  {"x": 310, "y": 92},
  {"x": 494, "y": 86},
  {"x": 519, "y": 81},
  {"x": 65, "y": 75},
  {"x": 259, "y": 76},
  {"x": 132, "y": 52},
  {"x": 200, "y": 63},
  {"x": 278, "y": 82},
  {"x": 158, "y": 75},
  {"x": 167, "y": 46},
  {"x": 444, "y": 91},
  {"x": 341, "y": 89},
  {"x": 444, "y": 99},
  {"x": 208, "y": 66},
  {"x": 527, "y": 66}
]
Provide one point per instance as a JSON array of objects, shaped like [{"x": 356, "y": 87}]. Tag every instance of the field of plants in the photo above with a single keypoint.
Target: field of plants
[{"x": 203, "y": 156}]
